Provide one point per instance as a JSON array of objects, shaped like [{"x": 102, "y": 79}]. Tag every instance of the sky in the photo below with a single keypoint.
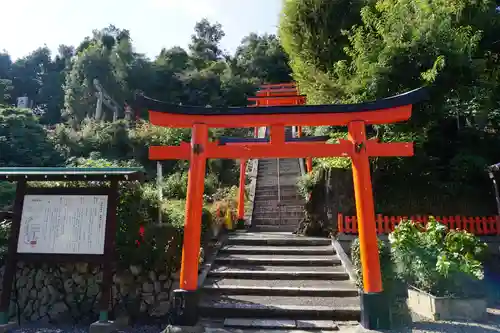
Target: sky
[{"x": 153, "y": 24}]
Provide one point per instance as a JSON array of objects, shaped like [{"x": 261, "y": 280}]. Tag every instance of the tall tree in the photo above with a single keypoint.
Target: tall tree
[
  {"x": 312, "y": 34},
  {"x": 205, "y": 41},
  {"x": 263, "y": 57},
  {"x": 5, "y": 78},
  {"x": 105, "y": 57}
]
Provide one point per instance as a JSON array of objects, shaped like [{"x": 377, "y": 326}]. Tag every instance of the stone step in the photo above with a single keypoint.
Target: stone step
[
  {"x": 287, "y": 187},
  {"x": 270, "y": 208},
  {"x": 273, "y": 190},
  {"x": 291, "y": 205},
  {"x": 282, "y": 160},
  {"x": 322, "y": 288},
  {"x": 286, "y": 199},
  {"x": 250, "y": 306},
  {"x": 279, "y": 208},
  {"x": 289, "y": 250},
  {"x": 276, "y": 259},
  {"x": 254, "y": 325},
  {"x": 285, "y": 216},
  {"x": 274, "y": 228},
  {"x": 273, "y": 182},
  {"x": 266, "y": 220},
  {"x": 278, "y": 239},
  {"x": 267, "y": 272}
]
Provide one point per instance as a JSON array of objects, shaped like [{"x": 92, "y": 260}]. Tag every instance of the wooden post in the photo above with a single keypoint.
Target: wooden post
[
  {"x": 109, "y": 249},
  {"x": 194, "y": 203},
  {"x": 375, "y": 312},
  {"x": 241, "y": 196},
  {"x": 309, "y": 163},
  {"x": 186, "y": 297},
  {"x": 11, "y": 262}
]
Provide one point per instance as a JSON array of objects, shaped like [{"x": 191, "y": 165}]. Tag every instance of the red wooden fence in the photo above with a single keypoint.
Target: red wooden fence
[{"x": 486, "y": 225}]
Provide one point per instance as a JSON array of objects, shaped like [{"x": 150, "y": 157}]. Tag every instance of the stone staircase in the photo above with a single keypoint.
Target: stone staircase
[
  {"x": 277, "y": 208},
  {"x": 277, "y": 280},
  {"x": 268, "y": 279}
]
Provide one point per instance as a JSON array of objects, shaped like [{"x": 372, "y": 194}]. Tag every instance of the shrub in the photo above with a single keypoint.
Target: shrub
[
  {"x": 306, "y": 183},
  {"x": 389, "y": 280},
  {"x": 439, "y": 261},
  {"x": 24, "y": 142},
  {"x": 7, "y": 195}
]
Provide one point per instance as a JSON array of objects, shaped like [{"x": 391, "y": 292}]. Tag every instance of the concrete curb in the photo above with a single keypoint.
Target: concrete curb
[
  {"x": 207, "y": 266},
  {"x": 345, "y": 260}
]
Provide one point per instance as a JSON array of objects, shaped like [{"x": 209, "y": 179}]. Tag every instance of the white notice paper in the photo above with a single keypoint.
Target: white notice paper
[{"x": 63, "y": 224}]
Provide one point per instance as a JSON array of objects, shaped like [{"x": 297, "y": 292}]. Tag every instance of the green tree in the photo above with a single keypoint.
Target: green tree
[
  {"x": 262, "y": 57},
  {"x": 24, "y": 142},
  {"x": 5, "y": 78},
  {"x": 311, "y": 32},
  {"x": 205, "y": 41},
  {"x": 105, "y": 57}
]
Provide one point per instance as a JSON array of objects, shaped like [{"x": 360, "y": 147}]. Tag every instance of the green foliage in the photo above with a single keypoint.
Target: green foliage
[
  {"x": 306, "y": 183},
  {"x": 347, "y": 52},
  {"x": 24, "y": 142},
  {"x": 312, "y": 33},
  {"x": 439, "y": 261},
  {"x": 7, "y": 195},
  {"x": 389, "y": 280},
  {"x": 175, "y": 214},
  {"x": 263, "y": 57}
]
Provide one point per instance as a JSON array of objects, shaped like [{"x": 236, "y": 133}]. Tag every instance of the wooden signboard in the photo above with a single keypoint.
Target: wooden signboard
[{"x": 63, "y": 224}]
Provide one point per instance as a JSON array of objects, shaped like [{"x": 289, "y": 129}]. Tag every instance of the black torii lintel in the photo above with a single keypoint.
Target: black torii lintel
[{"x": 408, "y": 98}]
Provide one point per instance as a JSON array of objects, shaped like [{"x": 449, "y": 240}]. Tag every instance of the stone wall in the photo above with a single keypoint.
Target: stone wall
[{"x": 70, "y": 293}]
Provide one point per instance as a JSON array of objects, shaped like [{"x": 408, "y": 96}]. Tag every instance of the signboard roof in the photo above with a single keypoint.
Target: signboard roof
[{"x": 62, "y": 173}]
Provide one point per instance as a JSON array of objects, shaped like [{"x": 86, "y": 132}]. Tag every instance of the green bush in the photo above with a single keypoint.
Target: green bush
[
  {"x": 389, "y": 280},
  {"x": 115, "y": 141},
  {"x": 175, "y": 212},
  {"x": 306, "y": 183},
  {"x": 24, "y": 141},
  {"x": 7, "y": 195},
  {"x": 439, "y": 261}
]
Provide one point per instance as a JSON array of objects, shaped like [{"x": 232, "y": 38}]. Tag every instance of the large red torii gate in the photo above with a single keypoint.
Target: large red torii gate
[{"x": 357, "y": 147}]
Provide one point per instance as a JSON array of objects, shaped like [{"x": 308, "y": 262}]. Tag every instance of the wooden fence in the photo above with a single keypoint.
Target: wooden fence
[{"x": 486, "y": 225}]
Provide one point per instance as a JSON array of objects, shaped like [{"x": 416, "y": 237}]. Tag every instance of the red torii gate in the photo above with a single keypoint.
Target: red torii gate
[
  {"x": 357, "y": 147},
  {"x": 281, "y": 94}
]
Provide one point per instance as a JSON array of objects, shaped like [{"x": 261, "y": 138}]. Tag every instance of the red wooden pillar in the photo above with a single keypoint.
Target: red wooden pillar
[
  {"x": 241, "y": 196},
  {"x": 192, "y": 226},
  {"x": 372, "y": 297},
  {"x": 309, "y": 163}
]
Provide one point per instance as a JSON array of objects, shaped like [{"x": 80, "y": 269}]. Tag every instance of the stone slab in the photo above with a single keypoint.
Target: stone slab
[
  {"x": 259, "y": 323},
  {"x": 8, "y": 327},
  {"x": 103, "y": 327},
  {"x": 317, "y": 324},
  {"x": 184, "y": 329},
  {"x": 295, "y": 250},
  {"x": 327, "y": 286}
]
